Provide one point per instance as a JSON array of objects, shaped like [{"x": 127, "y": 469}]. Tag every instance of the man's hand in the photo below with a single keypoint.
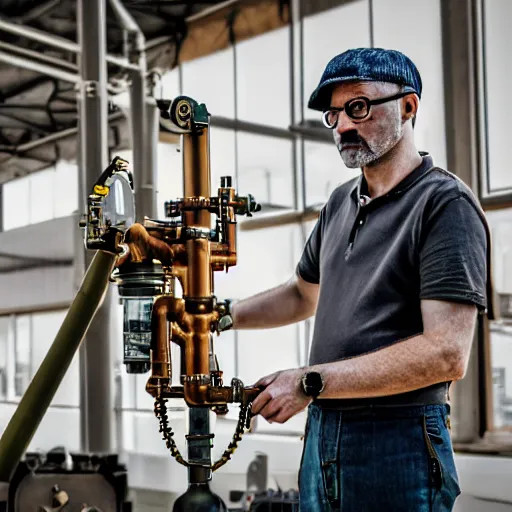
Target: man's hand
[{"x": 282, "y": 397}]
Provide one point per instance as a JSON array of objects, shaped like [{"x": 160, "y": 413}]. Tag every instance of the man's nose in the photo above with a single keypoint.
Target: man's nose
[{"x": 344, "y": 123}]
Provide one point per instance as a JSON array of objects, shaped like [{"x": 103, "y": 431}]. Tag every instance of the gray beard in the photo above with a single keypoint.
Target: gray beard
[
  {"x": 355, "y": 158},
  {"x": 364, "y": 155}
]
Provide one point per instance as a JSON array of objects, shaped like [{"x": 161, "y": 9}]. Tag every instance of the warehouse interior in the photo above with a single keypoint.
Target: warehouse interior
[{"x": 81, "y": 82}]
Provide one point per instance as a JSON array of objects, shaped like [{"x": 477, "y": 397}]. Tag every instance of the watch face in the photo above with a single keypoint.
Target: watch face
[{"x": 313, "y": 384}]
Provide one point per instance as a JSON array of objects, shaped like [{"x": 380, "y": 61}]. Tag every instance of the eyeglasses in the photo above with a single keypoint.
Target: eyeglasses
[{"x": 357, "y": 108}]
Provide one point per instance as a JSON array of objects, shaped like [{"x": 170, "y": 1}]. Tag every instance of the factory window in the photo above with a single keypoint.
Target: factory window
[
  {"x": 422, "y": 42},
  {"x": 29, "y": 337},
  {"x": 210, "y": 80},
  {"x": 41, "y": 196},
  {"x": 501, "y": 331},
  {"x": 327, "y": 34},
  {"x": 266, "y": 258},
  {"x": 169, "y": 86},
  {"x": 15, "y": 204},
  {"x": 222, "y": 155},
  {"x": 265, "y": 170},
  {"x": 325, "y": 170},
  {"x": 44, "y": 328},
  {"x": 497, "y": 73},
  {"x": 5, "y": 328},
  {"x": 263, "y": 86},
  {"x": 22, "y": 353}
]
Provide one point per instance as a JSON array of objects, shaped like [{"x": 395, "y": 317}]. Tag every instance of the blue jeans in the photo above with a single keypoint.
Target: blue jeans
[{"x": 380, "y": 459}]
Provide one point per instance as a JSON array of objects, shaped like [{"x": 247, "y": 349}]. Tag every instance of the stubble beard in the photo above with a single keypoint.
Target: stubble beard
[{"x": 370, "y": 151}]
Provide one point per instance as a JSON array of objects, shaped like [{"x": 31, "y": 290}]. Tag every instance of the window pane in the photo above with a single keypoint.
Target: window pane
[
  {"x": 169, "y": 175},
  {"x": 265, "y": 170},
  {"x": 263, "y": 85},
  {"x": 170, "y": 85},
  {"x": 45, "y": 327},
  {"x": 263, "y": 352},
  {"x": 325, "y": 170},
  {"x": 501, "y": 331},
  {"x": 22, "y": 349},
  {"x": 16, "y": 203},
  {"x": 42, "y": 195},
  {"x": 422, "y": 43},
  {"x": 222, "y": 156},
  {"x": 210, "y": 80},
  {"x": 4, "y": 336},
  {"x": 66, "y": 187},
  {"x": 328, "y": 34},
  {"x": 498, "y": 72}
]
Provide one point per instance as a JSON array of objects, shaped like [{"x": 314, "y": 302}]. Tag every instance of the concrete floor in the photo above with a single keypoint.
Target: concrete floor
[{"x": 467, "y": 503}]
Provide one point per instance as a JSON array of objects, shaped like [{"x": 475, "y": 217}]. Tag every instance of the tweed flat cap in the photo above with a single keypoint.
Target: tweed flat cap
[{"x": 366, "y": 64}]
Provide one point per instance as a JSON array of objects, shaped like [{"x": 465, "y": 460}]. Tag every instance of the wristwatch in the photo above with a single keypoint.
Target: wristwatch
[{"x": 312, "y": 384}]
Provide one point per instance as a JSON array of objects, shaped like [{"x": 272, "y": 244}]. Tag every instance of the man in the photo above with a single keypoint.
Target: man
[{"x": 395, "y": 272}]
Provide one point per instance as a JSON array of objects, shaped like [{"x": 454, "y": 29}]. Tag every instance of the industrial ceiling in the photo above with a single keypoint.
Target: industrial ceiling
[{"x": 38, "y": 102}]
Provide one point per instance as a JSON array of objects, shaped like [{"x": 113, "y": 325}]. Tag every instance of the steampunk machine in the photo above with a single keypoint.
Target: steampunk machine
[{"x": 150, "y": 261}]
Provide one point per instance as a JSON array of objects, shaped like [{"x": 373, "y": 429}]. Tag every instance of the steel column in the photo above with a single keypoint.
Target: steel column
[
  {"x": 146, "y": 190},
  {"x": 96, "y": 366},
  {"x": 1, "y": 208},
  {"x": 143, "y": 118},
  {"x": 461, "y": 146}
]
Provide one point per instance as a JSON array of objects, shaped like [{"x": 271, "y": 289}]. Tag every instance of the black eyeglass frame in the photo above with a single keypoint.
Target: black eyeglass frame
[{"x": 369, "y": 103}]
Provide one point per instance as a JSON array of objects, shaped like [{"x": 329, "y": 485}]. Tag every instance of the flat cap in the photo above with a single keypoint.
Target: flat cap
[{"x": 366, "y": 64}]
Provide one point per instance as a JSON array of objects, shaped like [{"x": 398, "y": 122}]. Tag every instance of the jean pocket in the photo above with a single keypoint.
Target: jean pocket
[
  {"x": 432, "y": 435},
  {"x": 443, "y": 474}
]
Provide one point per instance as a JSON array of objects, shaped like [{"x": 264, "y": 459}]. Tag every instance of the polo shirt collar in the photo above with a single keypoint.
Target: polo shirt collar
[{"x": 360, "y": 189}]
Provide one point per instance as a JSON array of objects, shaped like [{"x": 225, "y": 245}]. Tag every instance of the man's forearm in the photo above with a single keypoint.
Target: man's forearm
[
  {"x": 276, "y": 307},
  {"x": 407, "y": 365}
]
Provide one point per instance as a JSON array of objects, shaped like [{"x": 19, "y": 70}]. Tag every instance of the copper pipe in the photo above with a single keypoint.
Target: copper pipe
[
  {"x": 161, "y": 365},
  {"x": 166, "y": 308},
  {"x": 196, "y": 393},
  {"x": 198, "y": 275},
  {"x": 223, "y": 260},
  {"x": 231, "y": 237},
  {"x": 196, "y": 174},
  {"x": 146, "y": 247}
]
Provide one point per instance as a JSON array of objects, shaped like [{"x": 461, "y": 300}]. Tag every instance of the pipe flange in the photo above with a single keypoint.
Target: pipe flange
[{"x": 198, "y": 378}]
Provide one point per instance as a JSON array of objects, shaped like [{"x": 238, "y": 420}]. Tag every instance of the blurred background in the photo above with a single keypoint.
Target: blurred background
[{"x": 254, "y": 64}]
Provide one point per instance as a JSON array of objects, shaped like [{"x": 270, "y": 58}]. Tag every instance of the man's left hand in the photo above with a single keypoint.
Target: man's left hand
[{"x": 282, "y": 397}]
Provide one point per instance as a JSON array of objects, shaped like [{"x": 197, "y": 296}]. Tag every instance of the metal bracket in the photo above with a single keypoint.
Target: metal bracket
[{"x": 91, "y": 88}]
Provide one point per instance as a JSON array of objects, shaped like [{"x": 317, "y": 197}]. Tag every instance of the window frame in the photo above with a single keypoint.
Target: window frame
[
  {"x": 489, "y": 198},
  {"x": 11, "y": 397}
]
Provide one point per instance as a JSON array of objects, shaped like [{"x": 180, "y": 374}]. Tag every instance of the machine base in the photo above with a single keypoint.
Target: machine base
[{"x": 199, "y": 498}]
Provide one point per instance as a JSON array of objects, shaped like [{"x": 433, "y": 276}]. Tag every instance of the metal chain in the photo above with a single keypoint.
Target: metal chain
[{"x": 168, "y": 435}]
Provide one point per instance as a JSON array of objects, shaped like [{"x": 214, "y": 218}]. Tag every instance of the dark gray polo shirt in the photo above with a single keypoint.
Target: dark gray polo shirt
[{"x": 425, "y": 239}]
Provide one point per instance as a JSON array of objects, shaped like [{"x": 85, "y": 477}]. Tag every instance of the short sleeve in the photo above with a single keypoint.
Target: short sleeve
[
  {"x": 309, "y": 264},
  {"x": 453, "y": 256}
]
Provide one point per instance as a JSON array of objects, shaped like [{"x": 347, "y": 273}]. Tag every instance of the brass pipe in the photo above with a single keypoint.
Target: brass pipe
[
  {"x": 161, "y": 363},
  {"x": 198, "y": 275},
  {"x": 166, "y": 308},
  {"x": 231, "y": 237},
  {"x": 196, "y": 174}
]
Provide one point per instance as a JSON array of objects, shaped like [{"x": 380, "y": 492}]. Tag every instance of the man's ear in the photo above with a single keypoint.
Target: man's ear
[{"x": 410, "y": 104}]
